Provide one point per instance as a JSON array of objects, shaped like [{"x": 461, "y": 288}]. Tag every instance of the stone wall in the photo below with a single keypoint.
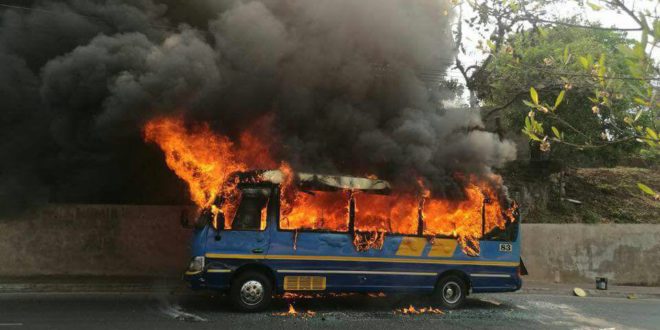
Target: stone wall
[
  {"x": 95, "y": 240},
  {"x": 624, "y": 253}
]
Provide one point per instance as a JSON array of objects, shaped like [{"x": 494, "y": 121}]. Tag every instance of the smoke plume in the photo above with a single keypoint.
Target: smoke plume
[{"x": 346, "y": 83}]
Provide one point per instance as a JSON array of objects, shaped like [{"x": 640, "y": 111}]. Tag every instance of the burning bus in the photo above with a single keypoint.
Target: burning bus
[
  {"x": 273, "y": 231},
  {"x": 276, "y": 231}
]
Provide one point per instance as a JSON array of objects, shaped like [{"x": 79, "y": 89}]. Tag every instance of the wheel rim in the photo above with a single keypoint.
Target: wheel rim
[
  {"x": 451, "y": 292},
  {"x": 252, "y": 292}
]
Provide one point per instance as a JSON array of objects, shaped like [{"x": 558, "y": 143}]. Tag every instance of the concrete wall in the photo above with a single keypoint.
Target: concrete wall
[
  {"x": 95, "y": 240},
  {"x": 147, "y": 240},
  {"x": 624, "y": 253}
]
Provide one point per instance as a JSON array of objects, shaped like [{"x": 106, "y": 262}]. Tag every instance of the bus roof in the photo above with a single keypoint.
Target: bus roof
[{"x": 315, "y": 181}]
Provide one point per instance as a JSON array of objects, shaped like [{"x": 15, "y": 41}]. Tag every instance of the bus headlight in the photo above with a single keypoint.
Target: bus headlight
[{"x": 196, "y": 264}]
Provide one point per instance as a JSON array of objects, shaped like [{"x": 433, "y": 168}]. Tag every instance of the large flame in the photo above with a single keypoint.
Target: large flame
[{"x": 205, "y": 161}]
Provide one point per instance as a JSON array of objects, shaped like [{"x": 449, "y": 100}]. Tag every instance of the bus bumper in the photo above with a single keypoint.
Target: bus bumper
[{"x": 196, "y": 280}]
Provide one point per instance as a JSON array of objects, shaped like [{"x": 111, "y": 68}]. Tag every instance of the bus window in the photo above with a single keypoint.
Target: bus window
[
  {"x": 252, "y": 210},
  {"x": 509, "y": 233},
  {"x": 316, "y": 210},
  {"x": 498, "y": 227},
  {"x": 386, "y": 213}
]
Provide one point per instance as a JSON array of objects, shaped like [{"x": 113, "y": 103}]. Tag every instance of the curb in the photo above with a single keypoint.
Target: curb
[{"x": 617, "y": 292}]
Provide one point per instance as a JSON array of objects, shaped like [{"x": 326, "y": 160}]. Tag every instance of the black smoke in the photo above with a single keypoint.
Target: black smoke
[{"x": 346, "y": 81}]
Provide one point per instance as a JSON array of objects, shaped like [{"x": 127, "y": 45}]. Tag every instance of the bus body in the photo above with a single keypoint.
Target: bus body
[{"x": 314, "y": 261}]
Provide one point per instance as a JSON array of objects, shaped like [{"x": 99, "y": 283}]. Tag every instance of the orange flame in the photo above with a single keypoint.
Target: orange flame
[
  {"x": 410, "y": 310},
  {"x": 205, "y": 161}
]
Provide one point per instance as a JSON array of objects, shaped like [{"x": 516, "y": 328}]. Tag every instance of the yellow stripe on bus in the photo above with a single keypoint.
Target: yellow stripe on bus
[
  {"x": 411, "y": 247},
  {"x": 365, "y": 259},
  {"x": 443, "y": 248}
]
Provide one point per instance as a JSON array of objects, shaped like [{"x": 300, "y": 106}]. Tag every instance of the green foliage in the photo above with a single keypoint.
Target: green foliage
[
  {"x": 604, "y": 85},
  {"x": 558, "y": 64}
]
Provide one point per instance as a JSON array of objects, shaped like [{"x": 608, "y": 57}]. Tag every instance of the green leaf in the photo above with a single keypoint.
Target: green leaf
[
  {"x": 528, "y": 124},
  {"x": 560, "y": 98},
  {"x": 556, "y": 131},
  {"x": 584, "y": 61},
  {"x": 640, "y": 101},
  {"x": 566, "y": 55},
  {"x": 534, "y": 95},
  {"x": 601, "y": 60},
  {"x": 491, "y": 45},
  {"x": 594, "y": 6},
  {"x": 533, "y": 136},
  {"x": 645, "y": 189},
  {"x": 529, "y": 104},
  {"x": 651, "y": 133},
  {"x": 514, "y": 6}
]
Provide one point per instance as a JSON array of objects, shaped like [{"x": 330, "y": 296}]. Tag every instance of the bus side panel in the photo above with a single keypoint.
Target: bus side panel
[
  {"x": 333, "y": 255},
  {"x": 342, "y": 276},
  {"x": 494, "y": 279},
  {"x": 498, "y": 279},
  {"x": 404, "y": 263}
]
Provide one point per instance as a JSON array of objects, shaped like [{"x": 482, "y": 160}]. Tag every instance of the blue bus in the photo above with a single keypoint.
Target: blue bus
[{"x": 257, "y": 258}]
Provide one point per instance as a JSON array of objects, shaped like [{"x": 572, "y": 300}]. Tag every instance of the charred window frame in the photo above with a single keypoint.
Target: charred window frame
[
  {"x": 418, "y": 233},
  {"x": 278, "y": 217},
  {"x": 508, "y": 234},
  {"x": 351, "y": 219},
  {"x": 266, "y": 190}
]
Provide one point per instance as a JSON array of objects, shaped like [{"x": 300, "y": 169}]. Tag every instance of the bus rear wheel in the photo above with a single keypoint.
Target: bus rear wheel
[
  {"x": 451, "y": 291},
  {"x": 251, "y": 292}
]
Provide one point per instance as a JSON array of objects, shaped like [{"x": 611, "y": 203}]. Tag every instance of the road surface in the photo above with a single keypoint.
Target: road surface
[{"x": 203, "y": 311}]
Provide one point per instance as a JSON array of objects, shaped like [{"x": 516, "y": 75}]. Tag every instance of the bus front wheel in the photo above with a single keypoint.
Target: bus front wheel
[
  {"x": 451, "y": 291},
  {"x": 251, "y": 292}
]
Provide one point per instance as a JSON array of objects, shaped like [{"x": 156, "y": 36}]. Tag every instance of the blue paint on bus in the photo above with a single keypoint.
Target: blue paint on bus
[{"x": 332, "y": 255}]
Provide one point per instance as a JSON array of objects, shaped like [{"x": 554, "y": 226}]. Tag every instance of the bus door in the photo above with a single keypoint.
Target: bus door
[
  {"x": 244, "y": 232},
  {"x": 501, "y": 246}
]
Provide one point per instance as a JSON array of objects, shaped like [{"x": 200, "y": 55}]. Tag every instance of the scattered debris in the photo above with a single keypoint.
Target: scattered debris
[
  {"x": 376, "y": 295},
  {"x": 298, "y": 295},
  {"x": 579, "y": 292},
  {"x": 574, "y": 201},
  {"x": 410, "y": 310}
]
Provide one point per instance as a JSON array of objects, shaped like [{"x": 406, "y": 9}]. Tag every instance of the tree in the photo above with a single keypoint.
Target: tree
[
  {"x": 612, "y": 86},
  {"x": 545, "y": 61},
  {"x": 639, "y": 83}
]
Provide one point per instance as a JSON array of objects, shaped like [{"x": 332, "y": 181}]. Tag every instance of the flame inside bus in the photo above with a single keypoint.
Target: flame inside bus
[{"x": 206, "y": 161}]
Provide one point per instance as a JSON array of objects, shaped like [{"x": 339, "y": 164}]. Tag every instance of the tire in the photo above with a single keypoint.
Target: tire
[
  {"x": 451, "y": 291},
  {"x": 251, "y": 292}
]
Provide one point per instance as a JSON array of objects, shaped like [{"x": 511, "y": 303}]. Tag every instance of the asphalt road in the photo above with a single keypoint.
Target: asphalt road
[{"x": 192, "y": 311}]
